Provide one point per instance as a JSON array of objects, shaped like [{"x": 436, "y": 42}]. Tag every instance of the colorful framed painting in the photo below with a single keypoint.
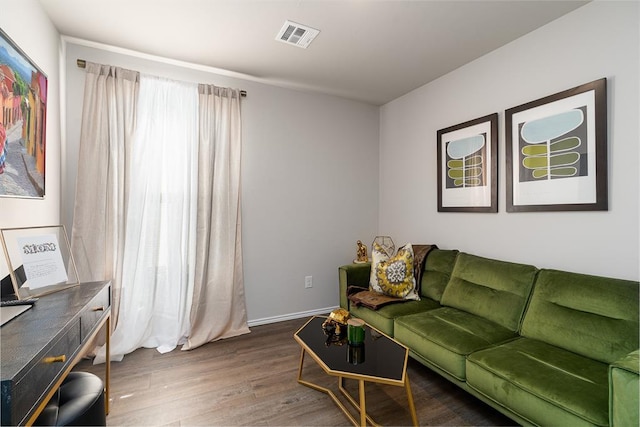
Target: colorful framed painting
[
  {"x": 23, "y": 118},
  {"x": 556, "y": 149},
  {"x": 468, "y": 166}
]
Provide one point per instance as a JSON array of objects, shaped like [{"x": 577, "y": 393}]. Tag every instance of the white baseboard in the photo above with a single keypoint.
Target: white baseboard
[{"x": 291, "y": 316}]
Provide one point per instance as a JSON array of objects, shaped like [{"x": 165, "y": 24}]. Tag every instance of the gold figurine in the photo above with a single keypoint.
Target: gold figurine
[{"x": 361, "y": 255}]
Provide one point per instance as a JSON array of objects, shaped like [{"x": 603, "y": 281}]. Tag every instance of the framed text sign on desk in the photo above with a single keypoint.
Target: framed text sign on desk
[{"x": 40, "y": 347}]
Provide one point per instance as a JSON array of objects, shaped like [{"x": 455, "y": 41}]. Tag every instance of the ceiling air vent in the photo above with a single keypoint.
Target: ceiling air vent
[{"x": 296, "y": 34}]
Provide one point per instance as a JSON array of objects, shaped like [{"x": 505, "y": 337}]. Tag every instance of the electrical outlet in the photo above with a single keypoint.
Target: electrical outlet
[{"x": 308, "y": 281}]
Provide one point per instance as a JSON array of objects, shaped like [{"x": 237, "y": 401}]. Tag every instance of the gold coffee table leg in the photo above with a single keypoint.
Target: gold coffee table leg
[
  {"x": 412, "y": 406},
  {"x": 355, "y": 404},
  {"x": 300, "y": 367},
  {"x": 363, "y": 406}
]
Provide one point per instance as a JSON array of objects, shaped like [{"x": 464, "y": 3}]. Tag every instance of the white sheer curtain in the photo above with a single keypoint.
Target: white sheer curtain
[{"x": 159, "y": 251}]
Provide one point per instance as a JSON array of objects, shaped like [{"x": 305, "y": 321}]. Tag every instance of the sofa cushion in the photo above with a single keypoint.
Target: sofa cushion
[
  {"x": 542, "y": 383},
  {"x": 382, "y": 319},
  {"x": 492, "y": 289},
  {"x": 437, "y": 272},
  {"x": 393, "y": 276},
  {"x": 624, "y": 395},
  {"x": 445, "y": 336},
  {"x": 596, "y": 317}
]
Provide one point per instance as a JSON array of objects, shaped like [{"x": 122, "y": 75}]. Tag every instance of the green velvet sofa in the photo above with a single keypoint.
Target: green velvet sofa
[{"x": 544, "y": 347}]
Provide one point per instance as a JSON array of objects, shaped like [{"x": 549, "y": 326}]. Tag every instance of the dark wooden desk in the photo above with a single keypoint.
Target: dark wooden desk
[{"x": 41, "y": 346}]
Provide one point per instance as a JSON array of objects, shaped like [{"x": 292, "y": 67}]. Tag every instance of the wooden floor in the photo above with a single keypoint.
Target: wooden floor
[{"x": 251, "y": 380}]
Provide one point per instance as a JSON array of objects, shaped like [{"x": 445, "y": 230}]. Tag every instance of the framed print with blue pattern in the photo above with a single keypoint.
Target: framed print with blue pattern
[
  {"x": 556, "y": 151},
  {"x": 468, "y": 166}
]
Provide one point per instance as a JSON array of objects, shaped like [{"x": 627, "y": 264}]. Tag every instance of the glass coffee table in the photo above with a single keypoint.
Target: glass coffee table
[{"x": 380, "y": 359}]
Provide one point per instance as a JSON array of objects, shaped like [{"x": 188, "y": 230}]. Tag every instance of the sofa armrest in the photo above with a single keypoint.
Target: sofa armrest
[
  {"x": 624, "y": 391},
  {"x": 352, "y": 275}
]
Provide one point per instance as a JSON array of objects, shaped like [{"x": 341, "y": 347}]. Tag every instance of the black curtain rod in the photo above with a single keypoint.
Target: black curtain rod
[{"x": 82, "y": 64}]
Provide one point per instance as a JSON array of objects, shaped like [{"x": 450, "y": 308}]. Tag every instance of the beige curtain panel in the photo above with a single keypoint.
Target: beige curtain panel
[
  {"x": 108, "y": 123},
  {"x": 218, "y": 309}
]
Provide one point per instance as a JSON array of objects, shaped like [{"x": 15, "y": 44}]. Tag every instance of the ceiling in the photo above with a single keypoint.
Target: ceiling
[{"x": 371, "y": 51}]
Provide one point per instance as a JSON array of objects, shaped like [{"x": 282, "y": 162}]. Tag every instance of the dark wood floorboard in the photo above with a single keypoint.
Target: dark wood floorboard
[{"x": 251, "y": 380}]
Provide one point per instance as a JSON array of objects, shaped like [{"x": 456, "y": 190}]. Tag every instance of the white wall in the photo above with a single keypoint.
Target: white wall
[
  {"x": 30, "y": 28},
  {"x": 309, "y": 177},
  {"x": 598, "y": 40}
]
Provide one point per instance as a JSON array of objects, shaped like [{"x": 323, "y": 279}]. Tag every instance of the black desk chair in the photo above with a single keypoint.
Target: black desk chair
[{"x": 78, "y": 402}]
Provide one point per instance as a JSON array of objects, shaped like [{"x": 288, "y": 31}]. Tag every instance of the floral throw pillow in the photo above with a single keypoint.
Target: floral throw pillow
[{"x": 393, "y": 276}]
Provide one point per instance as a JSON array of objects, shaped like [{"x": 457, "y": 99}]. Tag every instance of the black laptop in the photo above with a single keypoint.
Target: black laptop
[{"x": 7, "y": 292}]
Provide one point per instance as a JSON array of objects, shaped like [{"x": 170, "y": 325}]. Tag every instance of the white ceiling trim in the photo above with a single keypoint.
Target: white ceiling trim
[
  {"x": 189, "y": 65},
  {"x": 156, "y": 58}
]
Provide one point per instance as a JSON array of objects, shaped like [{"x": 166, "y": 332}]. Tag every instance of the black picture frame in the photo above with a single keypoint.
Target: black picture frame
[
  {"x": 468, "y": 166},
  {"x": 556, "y": 151}
]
